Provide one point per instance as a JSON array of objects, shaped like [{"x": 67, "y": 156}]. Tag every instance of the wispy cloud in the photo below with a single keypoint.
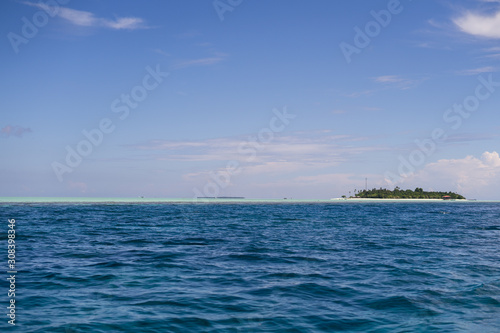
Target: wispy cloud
[
  {"x": 298, "y": 151},
  {"x": 477, "y": 71},
  {"x": 166, "y": 145},
  {"x": 17, "y": 131},
  {"x": 432, "y": 34},
  {"x": 163, "y": 53},
  {"x": 487, "y": 26},
  {"x": 87, "y": 19},
  {"x": 470, "y": 137},
  {"x": 389, "y": 79},
  {"x": 430, "y": 45},
  {"x": 78, "y": 186},
  {"x": 385, "y": 82},
  {"x": 397, "y": 81},
  {"x": 314, "y": 185},
  {"x": 207, "y": 61},
  {"x": 338, "y": 111},
  {"x": 356, "y": 94},
  {"x": 129, "y": 23},
  {"x": 492, "y": 52}
]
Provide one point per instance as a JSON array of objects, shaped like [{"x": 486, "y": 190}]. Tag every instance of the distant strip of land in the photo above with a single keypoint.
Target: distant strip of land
[
  {"x": 398, "y": 193},
  {"x": 76, "y": 200}
]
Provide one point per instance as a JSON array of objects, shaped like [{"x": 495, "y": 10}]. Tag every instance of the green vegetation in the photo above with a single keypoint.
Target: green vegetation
[{"x": 398, "y": 193}]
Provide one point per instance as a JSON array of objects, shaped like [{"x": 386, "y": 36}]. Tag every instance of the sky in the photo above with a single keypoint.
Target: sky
[{"x": 261, "y": 99}]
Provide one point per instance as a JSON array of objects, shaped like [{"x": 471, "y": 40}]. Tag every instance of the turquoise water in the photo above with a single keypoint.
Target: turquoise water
[{"x": 255, "y": 267}]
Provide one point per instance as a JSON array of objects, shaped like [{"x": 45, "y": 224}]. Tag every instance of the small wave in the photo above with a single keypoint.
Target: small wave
[
  {"x": 395, "y": 302},
  {"x": 293, "y": 275},
  {"x": 109, "y": 264},
  {"x": 103, "y": 277}
]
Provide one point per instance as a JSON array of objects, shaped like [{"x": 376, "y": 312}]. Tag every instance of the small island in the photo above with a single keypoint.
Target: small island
[{"x": 398, "y": 193}]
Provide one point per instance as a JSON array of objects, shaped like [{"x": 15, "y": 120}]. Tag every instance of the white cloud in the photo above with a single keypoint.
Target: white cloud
[
  {"x": 87, "y": 19},
  {"x": 129, "y": 23},
  {"x": 470, "y": 176},
  {"x": 479, "y": 25},
  {"x": 296, "y": 152},
  {"x": 491, "y": 159},
  {"x": 77, "y": 17}
]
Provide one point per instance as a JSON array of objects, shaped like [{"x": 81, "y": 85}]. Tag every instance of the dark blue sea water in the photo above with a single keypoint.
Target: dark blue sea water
[{"x": 324, "y": 267}]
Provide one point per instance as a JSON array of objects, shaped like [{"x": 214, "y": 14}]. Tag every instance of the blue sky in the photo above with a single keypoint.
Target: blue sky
[{"x": 246, "y": 98}]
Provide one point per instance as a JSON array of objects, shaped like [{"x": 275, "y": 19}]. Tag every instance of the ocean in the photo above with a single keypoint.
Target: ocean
[{"x": 178, "y": 266}]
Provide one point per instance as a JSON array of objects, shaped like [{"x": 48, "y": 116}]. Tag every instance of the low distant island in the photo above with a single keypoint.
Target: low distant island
[{"x": 398, "y": 193}]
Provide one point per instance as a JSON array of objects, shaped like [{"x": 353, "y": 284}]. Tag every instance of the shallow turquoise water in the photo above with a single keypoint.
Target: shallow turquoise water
[{"x": 255, "y": 267}]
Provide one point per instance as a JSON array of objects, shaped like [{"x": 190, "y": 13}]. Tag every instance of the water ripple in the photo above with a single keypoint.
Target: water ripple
[{"x": 378, "y": 267}]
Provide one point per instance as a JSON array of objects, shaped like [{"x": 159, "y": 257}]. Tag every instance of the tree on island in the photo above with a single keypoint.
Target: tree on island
[{"x": 397, "y": 193}]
